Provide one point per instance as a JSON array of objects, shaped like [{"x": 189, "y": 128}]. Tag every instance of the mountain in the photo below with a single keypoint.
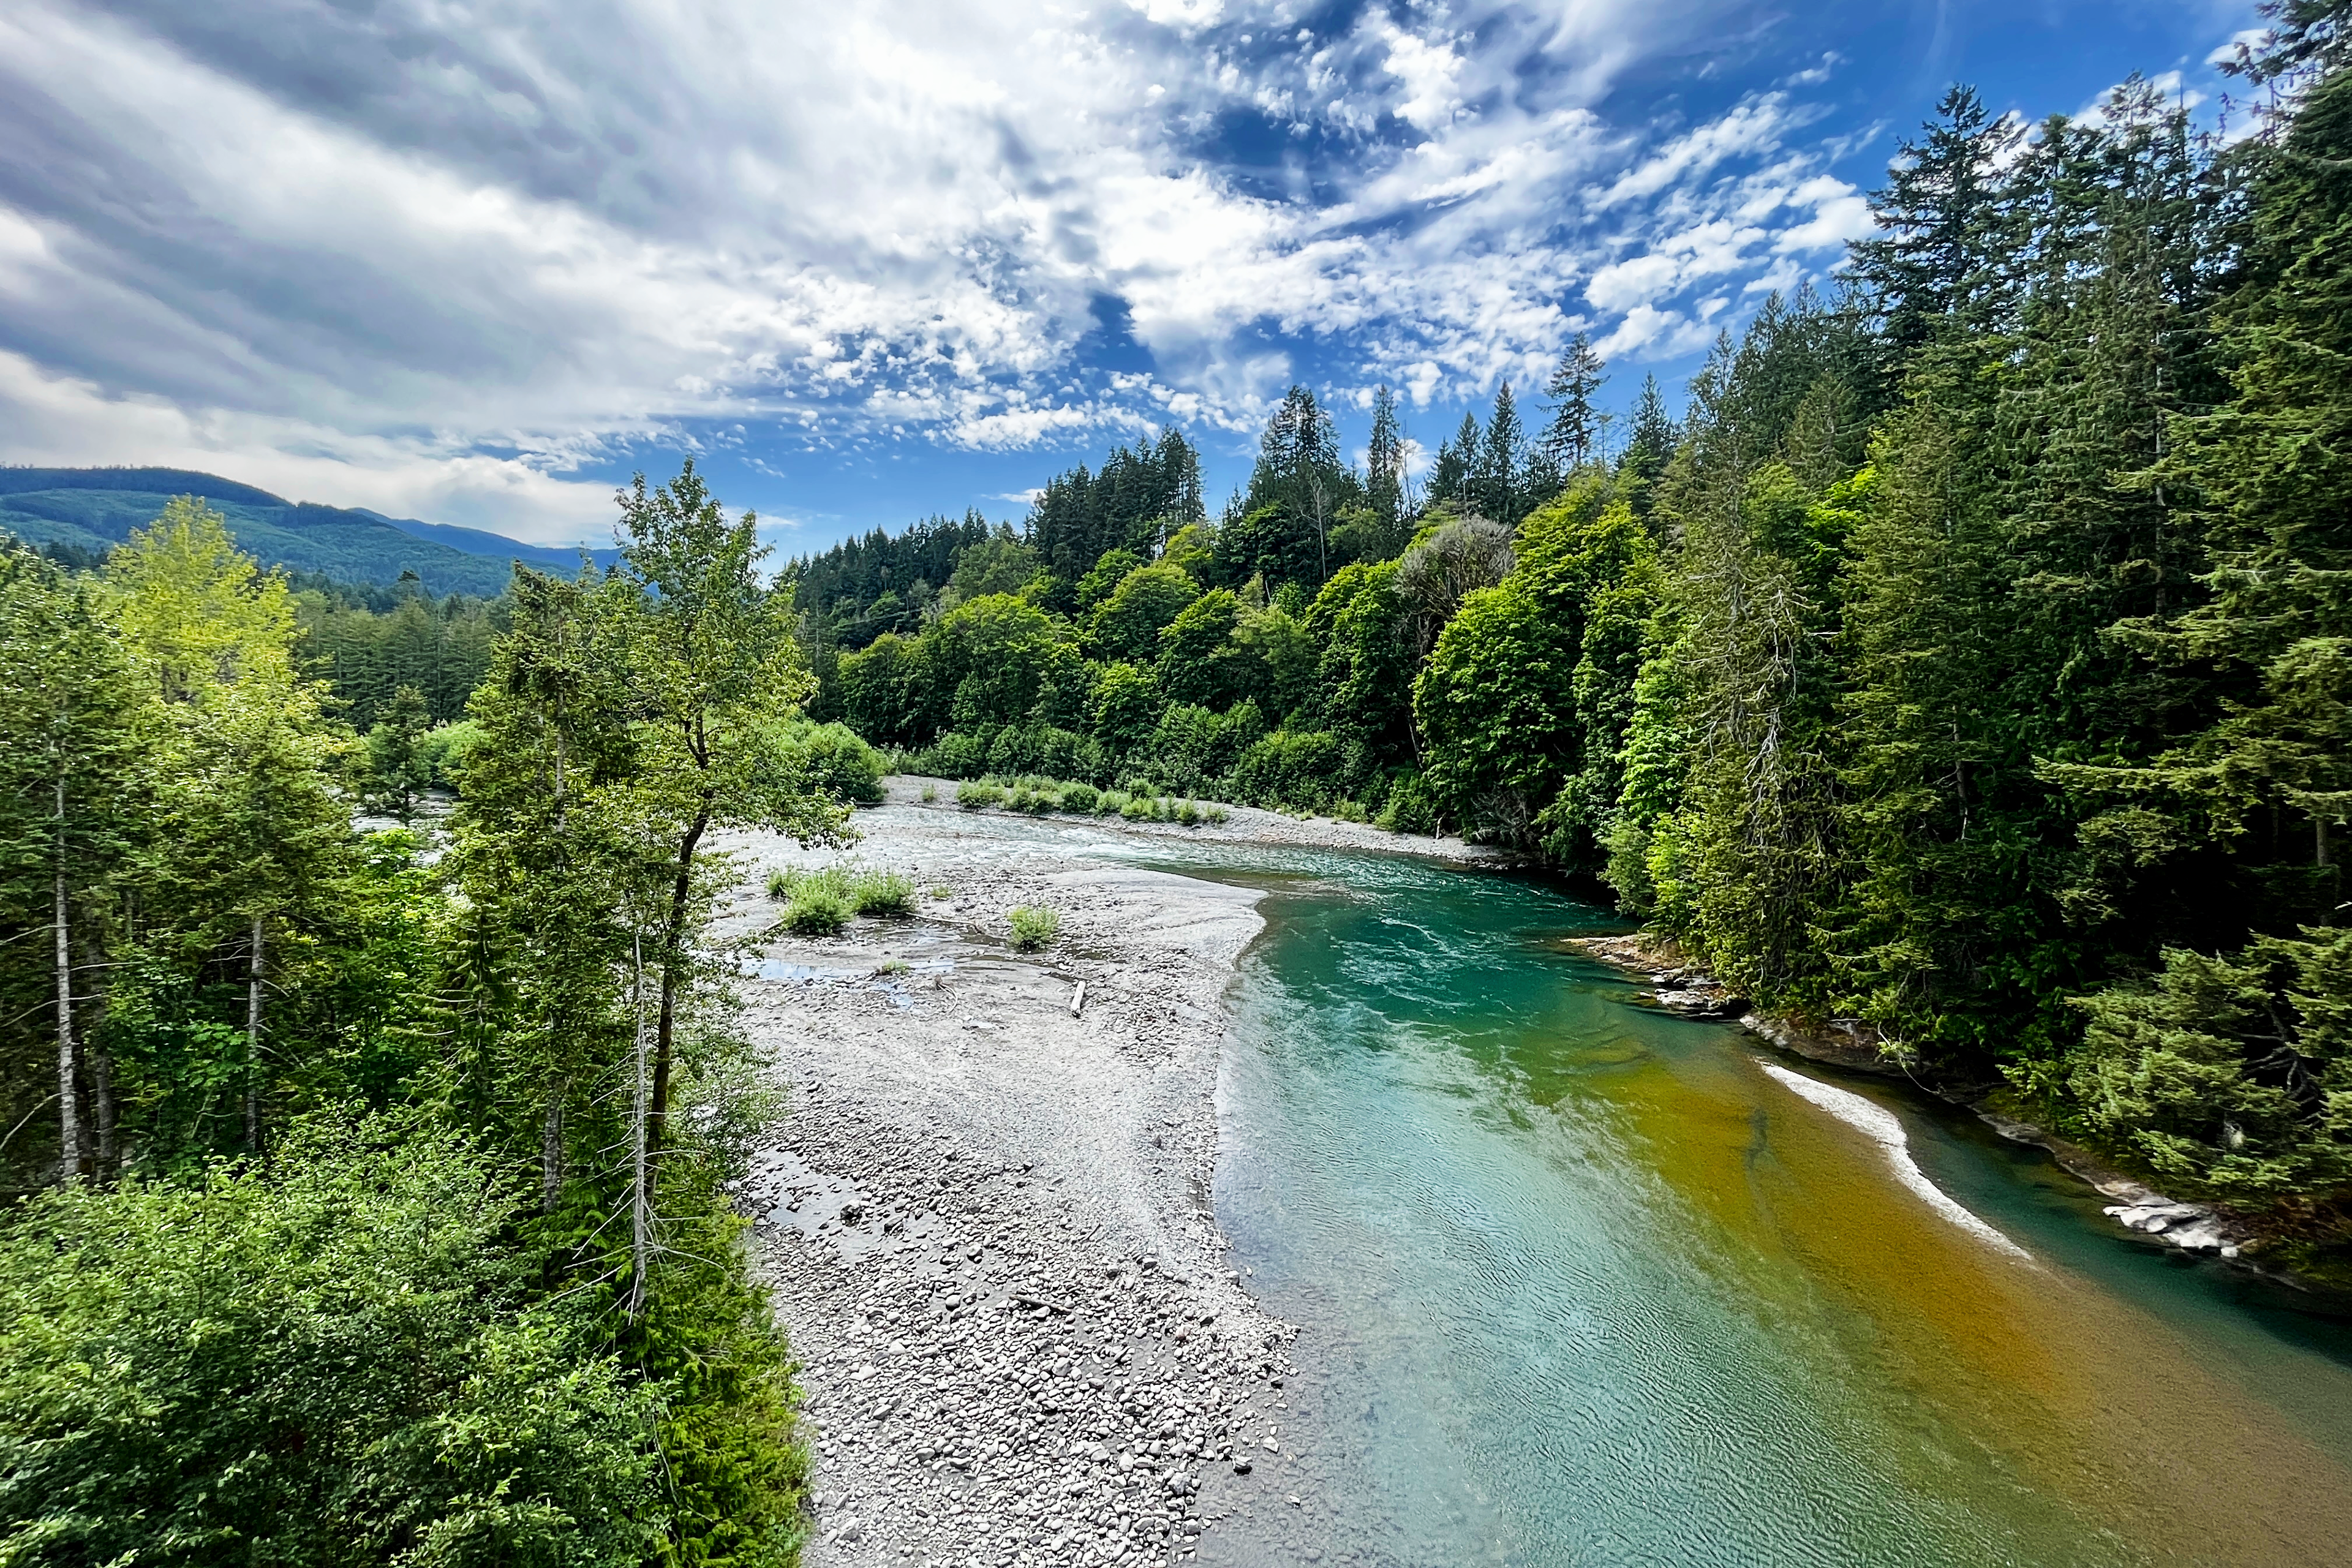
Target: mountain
[{"x": 94, "y": 508}]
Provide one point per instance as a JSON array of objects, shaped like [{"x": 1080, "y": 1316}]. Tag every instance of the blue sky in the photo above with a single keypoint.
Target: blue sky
[{"x": 476, "y": 262}]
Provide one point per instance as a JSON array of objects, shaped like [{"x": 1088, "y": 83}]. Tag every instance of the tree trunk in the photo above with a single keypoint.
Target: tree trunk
[
  {"x": 253, "y": 974},
  {"x": 551, "y": 1147},
  {"x": 640, "y": 1139},
  {"x": 673, "y": 957},
  {"x": 69, "y": 1094},
  {"x": 102, "y": 1085}
]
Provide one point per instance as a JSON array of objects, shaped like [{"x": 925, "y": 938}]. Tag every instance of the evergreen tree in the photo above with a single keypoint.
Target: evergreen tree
[
  {"x": 1650, "y": 445},
  {"x": 1937, "y": 260},
  {"x": 1497, "y": 481},
  {"x": 1572, "y": 438},
  {"x": 1450, "y": 477},
  {"x": 1296, "y": 492},
  {"x": 1384, "y": 484},
  {"x": 72, "y": 756},
  {"x": 396, "y": 761}
]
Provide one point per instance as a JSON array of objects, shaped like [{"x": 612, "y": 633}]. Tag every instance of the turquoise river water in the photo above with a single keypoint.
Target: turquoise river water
[{"x": 1579, "y": 1283}]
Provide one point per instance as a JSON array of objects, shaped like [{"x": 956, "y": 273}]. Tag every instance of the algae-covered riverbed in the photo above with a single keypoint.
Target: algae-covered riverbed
[{"x": 1581, "y": 1283}]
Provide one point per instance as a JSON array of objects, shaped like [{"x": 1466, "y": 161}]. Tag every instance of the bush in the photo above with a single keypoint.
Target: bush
[
  {"x": 1111, "y": 803},
  {"x": 1138, "y": 809},
  {"x": 816, "y": 910},
  {"x": 973, "y": 797},
  {"x": 335, "y": 1359},
  {"x": 1289, "y": 769},
  {"x": 838, "y": 761},
  {"x": 954, "y": 755},
  {"x": 1079, "y": 798},
  {"x": 1189, "y": 814},
  {"x": 442, "y": 752},
  {"x": 1034, "y": 927},
  {"x": 1410, "y": 808},
  {"x": 883, "y": 895}
]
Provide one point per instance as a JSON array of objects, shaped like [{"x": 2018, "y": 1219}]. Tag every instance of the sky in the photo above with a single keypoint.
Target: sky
[{"x": 478, "y": 263}]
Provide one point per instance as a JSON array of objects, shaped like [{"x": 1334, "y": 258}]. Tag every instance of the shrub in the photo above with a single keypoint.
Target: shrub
[
  {"x": 1111, "y": 803},
  {"x": 1034, "y": 926},
  {"x": 1289, "y": 770},
  {"x": 1410, "y": 808},
  {"x": 441, "y": 752},
  {"x": 958, "y": 754},
  {"x": 331, "y": 1360},
  {"x": 1220, "y": 815},
  {"x": 883, "y": 894},
  {"x": 1138, "y": 807},
  {"x": 838, "y": 761},
  {"x": 816, "y": 910},
  {"x": 1079, "y": 798},
  {"x": 1189, "y": 814},
  {"x": 931, "y": 792},
  {"x": 973, "y": 797}
]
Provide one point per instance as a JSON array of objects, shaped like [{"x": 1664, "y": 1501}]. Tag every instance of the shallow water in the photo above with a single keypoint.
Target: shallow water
[{"x": 1581, "y": 1283}]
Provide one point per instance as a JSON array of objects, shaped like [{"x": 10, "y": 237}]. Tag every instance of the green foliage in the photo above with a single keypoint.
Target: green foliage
[
  {"x": 882, "y": 895},
  {"x": 338, "y": 1359},
  {"x": 2231, "y": 1072},
  {"x": 1034, "y": 927},
  {"x": 1127, "y": 624},
  {"x": 816, "y": 910},
  {"x": 398, "y": 771},
  {"x": 832, "y": 758},
  {"x": 507, "y": 1320}
]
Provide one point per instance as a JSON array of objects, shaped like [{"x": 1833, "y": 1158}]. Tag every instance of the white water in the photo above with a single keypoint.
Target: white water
[{"x": 1883, "y": 1129}]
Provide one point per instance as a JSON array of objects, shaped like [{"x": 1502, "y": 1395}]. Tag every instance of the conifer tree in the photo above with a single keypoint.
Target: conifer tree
[
  {"x": 1384, "y": 482},
  {"x": 1450, "y": 476},
  {"x": 1937, "y": 260},
  {"x": 1497, "y": 478},
  {"x": 1572, "y": 438},
  {"x": 72, "y": 759}
]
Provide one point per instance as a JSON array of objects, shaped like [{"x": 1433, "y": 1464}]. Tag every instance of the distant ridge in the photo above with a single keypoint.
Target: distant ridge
[{"x": 96, "y": 509}]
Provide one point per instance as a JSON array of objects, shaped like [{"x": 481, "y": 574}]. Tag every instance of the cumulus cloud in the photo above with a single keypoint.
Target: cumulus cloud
[{"x": 439, "y": 257}]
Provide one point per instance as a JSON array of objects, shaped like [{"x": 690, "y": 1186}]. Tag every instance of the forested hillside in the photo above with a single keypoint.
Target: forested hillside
[
  {"x": 1968, "y": 663},
  {"x": 384, "y": 1214},
  {"x": 81, "y": 513}
]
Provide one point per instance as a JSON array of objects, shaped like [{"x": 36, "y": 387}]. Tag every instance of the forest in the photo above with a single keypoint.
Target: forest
[
  {"x": 369, "y": 1182},
  {"x": 1967, "y": 665},
  {"x": 1965, "y": 668}
]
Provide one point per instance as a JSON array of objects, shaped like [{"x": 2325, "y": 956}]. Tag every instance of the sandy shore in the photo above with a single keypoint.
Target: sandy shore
[{"x": 987, "y": 1214}]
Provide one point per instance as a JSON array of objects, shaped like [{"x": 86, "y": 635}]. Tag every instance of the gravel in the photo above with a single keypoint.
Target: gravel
[{"x": 987, "y": 1218}]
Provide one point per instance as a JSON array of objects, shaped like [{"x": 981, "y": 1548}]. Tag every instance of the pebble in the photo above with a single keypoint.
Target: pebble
[{"x": 1004, "y": 1361}]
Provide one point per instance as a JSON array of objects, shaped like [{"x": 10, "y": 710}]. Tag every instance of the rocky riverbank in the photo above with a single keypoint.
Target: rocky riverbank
[
  {"x": 1683, "y": 987},
  {"x": 987, "y": 1213}
]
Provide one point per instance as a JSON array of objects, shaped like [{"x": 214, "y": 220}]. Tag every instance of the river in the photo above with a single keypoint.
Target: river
[{"x": 1581, "y": 1283}]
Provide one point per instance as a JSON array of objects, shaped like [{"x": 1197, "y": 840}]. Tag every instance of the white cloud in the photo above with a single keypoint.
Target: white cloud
[{"x": 454, "y": 251}]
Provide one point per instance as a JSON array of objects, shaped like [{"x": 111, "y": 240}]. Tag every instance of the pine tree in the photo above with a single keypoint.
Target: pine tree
[
  {"x": 1450, "y": 477},
  {"x": 1648, "y": 448},
  {"x": 1384, "y": 482},
  {"x": 1572, "y": 438},
  {"x": 72, "y": 756},
  {"x": 1498, "y": 480},
  {"x": 1937, "y": 260}
]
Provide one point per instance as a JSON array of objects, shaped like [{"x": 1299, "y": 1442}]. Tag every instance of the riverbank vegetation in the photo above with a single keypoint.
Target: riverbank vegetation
[
  {"x": 385, "y": 1212},
  {"x": 1967, "y": 663}
]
